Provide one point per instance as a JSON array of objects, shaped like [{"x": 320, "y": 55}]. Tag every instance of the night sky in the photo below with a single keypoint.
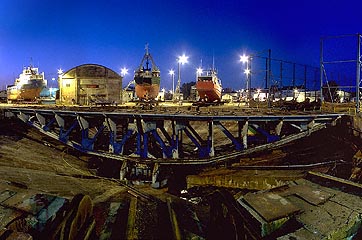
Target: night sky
[{"x": 64, "y": 34}]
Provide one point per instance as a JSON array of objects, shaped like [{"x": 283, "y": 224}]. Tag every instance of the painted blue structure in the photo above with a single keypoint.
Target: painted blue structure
[{"x": 164, "y": 138}]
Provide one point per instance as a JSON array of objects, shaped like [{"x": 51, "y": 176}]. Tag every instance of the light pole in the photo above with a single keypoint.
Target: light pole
[
  {"x": 172, "y": 73},
  {"x": 247, "y": 71},
  {"x": 52, "y": 82},
  {"x": 60, "y": 84},
  {"x": 124, "y": 72},
  {"x": 181, "y": 60}
]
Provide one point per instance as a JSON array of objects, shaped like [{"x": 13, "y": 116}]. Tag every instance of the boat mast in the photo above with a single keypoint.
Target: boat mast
[
  {"x": 213, "y": 62},
  {"x": 147, "y": 57}
]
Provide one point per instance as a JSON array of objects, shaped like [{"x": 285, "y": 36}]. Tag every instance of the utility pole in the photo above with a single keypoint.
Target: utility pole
[
  {"x": 358, "y": 73},
  {"x": 268, "y": 77}
]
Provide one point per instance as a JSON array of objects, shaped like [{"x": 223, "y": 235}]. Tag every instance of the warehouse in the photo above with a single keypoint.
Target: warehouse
[{"x": 89, "y": 84}]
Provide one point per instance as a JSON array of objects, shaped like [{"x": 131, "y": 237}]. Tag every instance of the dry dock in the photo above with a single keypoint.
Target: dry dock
[{"x": 42, "y": 180}]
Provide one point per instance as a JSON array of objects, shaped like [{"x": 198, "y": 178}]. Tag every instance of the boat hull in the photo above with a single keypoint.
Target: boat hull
[
  {"x": 147, "y": 91},
  {"x": 147, "y": 79},
  {"x": 23, "y": 93},
  {"x": 208, "y": 91}
]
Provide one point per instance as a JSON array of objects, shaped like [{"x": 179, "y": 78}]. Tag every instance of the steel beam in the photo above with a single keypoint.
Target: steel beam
[{"x": 235, "y": 141}]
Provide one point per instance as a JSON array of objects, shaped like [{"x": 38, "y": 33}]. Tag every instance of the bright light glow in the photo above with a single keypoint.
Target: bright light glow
[
  {"x": 296, "y": 91},
  {"x": 244, "y": 58},
  {"x": 171, "y": 72},
  {"x": 124, "y": 71},
  {"x": 258, "y": 90},
  {"x": 199, "y": 71},
  {"x": 53, "y": 79},
  {"x": 60, "y": 71},
  {"x": 183, "y": 59},
  {"x": 247, "y": 71},
  {"x": 163, "y": 90}
]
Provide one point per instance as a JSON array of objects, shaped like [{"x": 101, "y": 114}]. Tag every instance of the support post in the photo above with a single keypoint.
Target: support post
[
  {"x": 244, "y": 133},
  {"x": 86, "y": 142},
  {"x": 278, "y": 128},
  {"x": 123, "y": 171},
  {"x": 211, "y": 139},
  {"x": 305, "y": 82},
  {"x": 310, "y": 126},
  {"x": 177, "y": 139},
  {"x": 23, "y": 117},
  {"x": 236, "y": 142},
  {"x": 269, "y": 78},
  {"x": 155, "y": 172},
  {"x": 358, "y": 73},
  {"x": 41, "y": 119},
  {"x": 60, "y": 121},
  {"x": 321, "y": 70},
  {"x": 293, "y": 76},
  {"x": 281, "y": 74}
]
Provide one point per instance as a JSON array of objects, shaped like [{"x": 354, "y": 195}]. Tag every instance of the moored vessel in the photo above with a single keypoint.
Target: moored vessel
[
  {"x": 27, "y": 86},
  {"x": 209, "y": 86},
  {"x": 147, "y": 78}
]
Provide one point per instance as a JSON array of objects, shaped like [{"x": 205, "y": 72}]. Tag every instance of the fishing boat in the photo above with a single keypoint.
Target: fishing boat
[
  {"x": 27, "y": 86},
  {"x": 147, "y": 78},
  {"x": 209, "y": 86}
]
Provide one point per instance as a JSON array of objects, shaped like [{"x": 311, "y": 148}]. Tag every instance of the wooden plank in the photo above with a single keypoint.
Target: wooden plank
[
  {"x": 311, "y": 195},
  {"x": 132, "y": 232},
  {"x": 270, "y": 206}
]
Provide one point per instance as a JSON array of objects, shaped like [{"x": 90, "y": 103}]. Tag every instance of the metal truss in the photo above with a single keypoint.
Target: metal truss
[
  {"x": 145, "y": 142},
  {"x": 165, "y": 138}
]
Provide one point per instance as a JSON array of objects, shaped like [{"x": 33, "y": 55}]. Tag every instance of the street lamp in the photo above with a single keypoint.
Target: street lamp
[
  {"x": 124, "y": 71},
  {"x": 60, "y": 83},
  {"x": 180, "y": 61},
  {"x": 183, "y": 59},
  {"x": 172, "y": 73},
  {"x": 244, "y": 58},
  {"x": 247, "y": 59}
]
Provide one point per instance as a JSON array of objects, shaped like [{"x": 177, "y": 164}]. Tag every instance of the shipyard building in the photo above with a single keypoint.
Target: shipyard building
[{"x": 89, "y": 84}]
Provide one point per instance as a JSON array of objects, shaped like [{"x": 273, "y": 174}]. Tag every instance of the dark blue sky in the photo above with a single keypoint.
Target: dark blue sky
[{"x": 64, "y": 34}]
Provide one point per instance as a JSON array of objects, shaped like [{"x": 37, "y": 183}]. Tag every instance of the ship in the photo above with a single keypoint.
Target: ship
[
  {"x": 28, "y": 86},
  {"x": 147, "y": 78},
  {"x": 209, "y": 86}
]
